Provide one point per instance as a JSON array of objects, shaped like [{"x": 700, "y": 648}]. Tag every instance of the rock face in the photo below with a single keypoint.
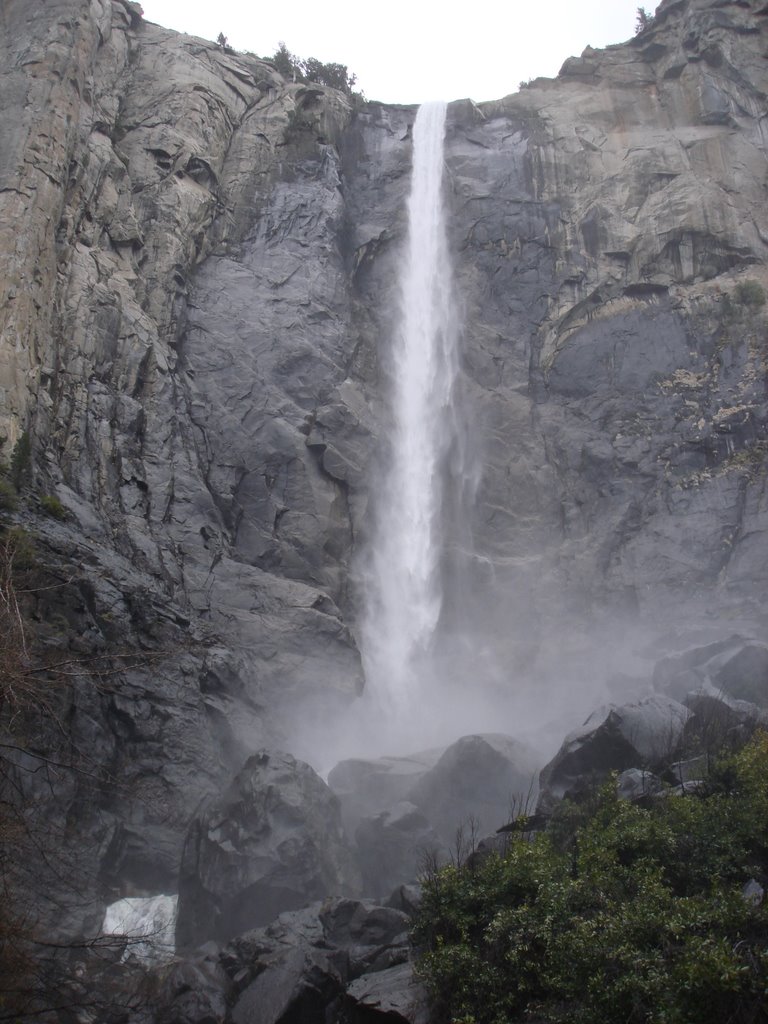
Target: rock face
[
  {"x": 272, "y": 842},
  {"x": 196, "y": 270}
]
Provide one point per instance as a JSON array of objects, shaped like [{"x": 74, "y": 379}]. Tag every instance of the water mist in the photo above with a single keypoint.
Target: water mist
[{"x": 404, "y": 589}]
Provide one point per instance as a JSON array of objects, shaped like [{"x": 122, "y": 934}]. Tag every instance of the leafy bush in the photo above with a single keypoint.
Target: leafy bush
[
  {"x": 17, "y": 552},
  {"x": 749, "y": 293},
  {"x": 638, "y": 915},
  {"x": 8, "y": 498},
  {"x": 53, "y": 507}
]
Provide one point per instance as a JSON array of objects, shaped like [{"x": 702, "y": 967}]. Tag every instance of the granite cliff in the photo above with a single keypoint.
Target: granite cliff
[{"x": 196, "y": 270}]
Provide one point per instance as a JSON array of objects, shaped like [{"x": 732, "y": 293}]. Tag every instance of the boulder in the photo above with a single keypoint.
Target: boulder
[
  {"x": 193, "y": 991},
  {"x": 406, "y": 898},
  {"x": 690, "y": 770},
  {"x": 744, "y": 676},
  {"x": 736, "y": 668},
  {"x": 474, "y": 784},
  {"x": 368, "y": 787},
  {"x": 639, "y": 735},
  {"x": 297, "y": 969},
  {"x": 635, "y": 784},
  {"x": 391, "y": 848},
  {"x": 271, "y": 842},
  {"x": 724, "y": 684},
  {"x": 390, "y": 997}
]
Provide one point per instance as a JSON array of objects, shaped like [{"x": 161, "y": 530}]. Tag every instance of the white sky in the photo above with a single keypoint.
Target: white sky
[{"x": 409, "y": 51}]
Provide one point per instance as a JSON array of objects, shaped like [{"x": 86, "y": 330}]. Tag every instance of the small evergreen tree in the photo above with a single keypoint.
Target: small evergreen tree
[
  {"x": 644, "y": 20},
  {"x": 21, "y": 458}
]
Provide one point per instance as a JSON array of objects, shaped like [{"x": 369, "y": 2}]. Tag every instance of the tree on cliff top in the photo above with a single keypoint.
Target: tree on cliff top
[
  {"x": 644, "y": 20},
  {"x": 311, "y": 70}
]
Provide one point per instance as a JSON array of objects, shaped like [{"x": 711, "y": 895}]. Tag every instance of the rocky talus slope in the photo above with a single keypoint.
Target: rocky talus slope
[{"x": 197, "y": 265}]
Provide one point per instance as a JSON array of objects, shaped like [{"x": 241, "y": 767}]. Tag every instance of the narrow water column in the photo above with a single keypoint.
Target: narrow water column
[{"x": 404, "y": 592}]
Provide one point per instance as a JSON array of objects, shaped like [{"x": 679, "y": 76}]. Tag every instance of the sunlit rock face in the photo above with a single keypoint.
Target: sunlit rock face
[{"x": 196, "y": 271}]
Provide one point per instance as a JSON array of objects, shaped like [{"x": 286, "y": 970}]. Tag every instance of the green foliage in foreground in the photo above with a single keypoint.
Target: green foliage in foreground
[{"x": 635, "y": 915}]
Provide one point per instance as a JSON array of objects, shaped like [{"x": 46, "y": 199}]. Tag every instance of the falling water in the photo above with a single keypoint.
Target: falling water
[{"x": 405, "y": 593}]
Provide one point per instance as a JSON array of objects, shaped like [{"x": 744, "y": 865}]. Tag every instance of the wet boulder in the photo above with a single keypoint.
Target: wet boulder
[
  {"x": 736, "y": 668},
  {"x": 297, "y": 969},
  {"x": 637, "y": 785},
  {"x": 366, "y": 787},
  {"x": 392, "y": 847},
  {"x": 641, "y": 735},
  {"x": 271, "y": 842},
  {"x": 744, "y": 676},
  {"x": 475, "y": 784},
  {"x": 193, "y": 991},
  {"x": 724, "y": 684},
  {"x": 394, "y": 996}
]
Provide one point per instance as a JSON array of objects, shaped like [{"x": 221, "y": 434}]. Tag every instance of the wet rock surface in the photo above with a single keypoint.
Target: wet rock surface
[
  {"x": 408, "y": 811},
  {"x": 271, "y": 842},
  {"x": 478, "y": 778},
  {"x": 314, "y": 964},
  {"x": 393, "y": 847},
  {"x": 613, "y": 739}
]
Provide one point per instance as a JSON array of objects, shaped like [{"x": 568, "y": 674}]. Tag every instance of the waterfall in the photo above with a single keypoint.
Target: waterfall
[{"x": 404, "y": 592}]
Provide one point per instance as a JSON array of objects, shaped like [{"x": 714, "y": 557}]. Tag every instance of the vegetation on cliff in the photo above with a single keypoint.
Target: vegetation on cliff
[
  {"x": 312, "y": 70},
  {"x": 617, "y": 913}
]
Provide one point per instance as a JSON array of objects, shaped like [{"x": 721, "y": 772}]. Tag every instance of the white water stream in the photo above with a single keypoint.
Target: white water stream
[
  {"x": 147, "y": 924},
  {"x": 404, "y": 587}
]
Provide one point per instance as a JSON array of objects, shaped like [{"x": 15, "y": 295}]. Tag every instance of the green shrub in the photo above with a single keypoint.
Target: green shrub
[
  {"x": 21, "y": 458},
  {"x": 638, "y": 917},
  {"x": 8, "y": 497},
  {"x": 749, "y": 293},
  {"x": 53, "y": 507},
  {"x": 17, "y": 549}
]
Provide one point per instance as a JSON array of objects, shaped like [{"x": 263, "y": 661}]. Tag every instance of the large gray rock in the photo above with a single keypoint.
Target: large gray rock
[
  {"x": 302, "y": 963},
  {"x": 394, "y": 996},
  {"x": 194, "y": 991},
  {"x": 294, "y": 971},
  {"x": 406, "y": 810},
  {"x": 368, "y": 787},
  {"x": 271, "y": 842},
  {"x": 394, "y": 847},
  {"x": 644, "y": 735},
  {"x": 724, "y": 684},
  {"x": 475, "y": 784}
]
